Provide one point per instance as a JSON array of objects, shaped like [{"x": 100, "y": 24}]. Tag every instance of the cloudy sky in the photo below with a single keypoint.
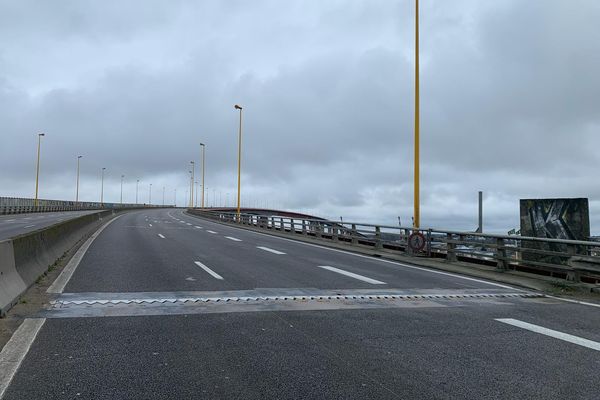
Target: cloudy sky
[{"x": 510, "y": 103}]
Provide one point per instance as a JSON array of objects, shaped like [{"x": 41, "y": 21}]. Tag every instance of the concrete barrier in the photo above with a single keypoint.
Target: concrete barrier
[{"x": 23, "y": 259}]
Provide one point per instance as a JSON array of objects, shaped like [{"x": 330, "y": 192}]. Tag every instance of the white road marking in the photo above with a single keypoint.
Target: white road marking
[
  {"x": 210, "y": 271},
  {"x": 59, "y": 283},
  {"x": 29, "y": 226},
  {"x": 16, "y": 349},
  {"x": 381, "y": 260},
  {"x": 149, "y": 224},
  {"x": 585, "y": 303},
  {"x": 188, "y": 223},
  {"x": 211, "y": 231},
  {"x": 270, "y": 250},
  {"x": 199, "y": 227},
  {"x": 161, "y": 236},
  {"x": 232, "y": 238},
  {"x": 183, "y": 222},
  {"x": 552, "y": 333},
  {"x": 353, "y": 275},
  {"x": 9, "y": 220}
]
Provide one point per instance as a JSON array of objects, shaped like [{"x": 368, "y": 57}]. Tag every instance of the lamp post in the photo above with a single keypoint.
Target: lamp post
[
  {"x": 163, "y": 196},
  {"x": 175, "y": 198},
  {"x": 203, "y": 158},
  {"x": 137, "y": 184},
  {"x": 37, "y": 174},
  {"x": 190, "y": 188},
  {"x": 102, "y": 188},
  {"x": 122, "y": 177},
  {"x": 196, "y": 203},
  {"x": 192, "y": 184},
  {"x": 237, "y": 107},
  {"x": 150, "y": 196},
  {"x": 77, "y": 190},
  {"x": 417, "y": 210}
]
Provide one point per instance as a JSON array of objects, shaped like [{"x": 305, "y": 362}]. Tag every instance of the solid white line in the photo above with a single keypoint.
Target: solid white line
[
  {"x": 210, "y": 271},
  {"x": 585, "y": 303},
  {"x": 353, "y": 275},
  {"x": 232, "y": 238},
  {"x": 199, "y": 227},
  {"x": 59, "y": 283},
  {"x": 377, "y": 260},
  {"x": 270, "y": 250},
  {"x": 16, "y": 349},
  {"x": 161, "y": 236},
  {"x": 552, "y": 333},
  {"x": 211, "y": 231}
]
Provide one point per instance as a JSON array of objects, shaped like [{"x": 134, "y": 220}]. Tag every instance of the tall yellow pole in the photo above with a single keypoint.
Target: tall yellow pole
[
  {"x": 37, "y": 175},
  {"x": 203, "y": 155},
  {"x": 417, "y": 211},
  {"x": 239, "y": 161}
]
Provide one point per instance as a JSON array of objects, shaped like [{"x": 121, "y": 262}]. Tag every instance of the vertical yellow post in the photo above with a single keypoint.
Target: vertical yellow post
[
  {"x": 203, "y": 157},
  {"x": 237, "y": 107},
  {"x": 37, "y": 175},
  {"x": 417, "y": 211}
]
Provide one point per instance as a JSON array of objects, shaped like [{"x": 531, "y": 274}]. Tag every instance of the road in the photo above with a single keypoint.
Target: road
[
  {"x": 169, "y": 306},
  {"x": 16, "y": 224}
]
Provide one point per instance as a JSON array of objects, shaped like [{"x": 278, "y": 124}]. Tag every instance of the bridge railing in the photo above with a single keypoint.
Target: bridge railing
[
  {"x": 18, "y": 205},
  {"x": 567, "y": 259}
]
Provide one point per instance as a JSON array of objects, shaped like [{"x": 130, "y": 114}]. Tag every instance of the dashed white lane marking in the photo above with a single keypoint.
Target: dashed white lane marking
[
  {"x": 270, "y": 250},
  {"x": 232, "y": 238},
  {"x": 10, "y": 220},
  {"x": 353, "y": 275},
  {"x": 187, "y": 223},
  {"x": 199, "y": 227},
  {"x": 552, "y": 333},
  {"x": 16, "y": 349},
  {"x": 210, "y": 271},
  {"x": 59, "y": 283},
  {"x": 161, "y": 236},
  {"x": 29, "y": 226},
  {"x": 183, "y": 222},
  {"x": 211, "y": 231},
  {"x": 149, "y": 224}
]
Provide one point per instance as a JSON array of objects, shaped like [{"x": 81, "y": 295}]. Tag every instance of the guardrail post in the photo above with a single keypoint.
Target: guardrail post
[
  {"x": 292, "y": 226},
  {"x": 281, "y": 225},
  {"x": 450, "y": 248},
  {"x": 378, "y": 243},
  {"x": 501, "y": 255},
  {"x": 334, "y": 234},
  {"x": 319, "y": 230},
  {"x": 354, "y": 234},
  {"x": 304, "y": 232}
]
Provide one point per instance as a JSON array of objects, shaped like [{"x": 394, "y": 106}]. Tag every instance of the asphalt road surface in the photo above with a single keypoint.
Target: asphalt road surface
[
  {"x": 16, "y": 224},
  {"x": 169, "y": 306}
]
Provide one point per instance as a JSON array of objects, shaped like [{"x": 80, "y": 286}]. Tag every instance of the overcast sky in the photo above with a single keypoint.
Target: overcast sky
[{"x": 510, "y": 103}]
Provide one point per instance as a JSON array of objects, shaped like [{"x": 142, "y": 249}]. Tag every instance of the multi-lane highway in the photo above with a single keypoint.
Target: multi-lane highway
[
  {"x": 16, "y": 224},
  {"x": 168, "y": 306}
]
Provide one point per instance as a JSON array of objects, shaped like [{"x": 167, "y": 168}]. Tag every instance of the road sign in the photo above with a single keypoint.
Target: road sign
[{"x": 416, "y": 241}]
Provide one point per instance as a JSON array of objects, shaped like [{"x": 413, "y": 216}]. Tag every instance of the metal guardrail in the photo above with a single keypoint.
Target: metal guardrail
[
  {"x": 568, "y": 259},
  {"x": 17, "y": 205}
]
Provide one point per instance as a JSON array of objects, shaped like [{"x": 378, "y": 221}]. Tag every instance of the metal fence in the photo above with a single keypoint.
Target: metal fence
[
  {"x": 567, "y": 259},
  {"x": 16, "y": 205}
]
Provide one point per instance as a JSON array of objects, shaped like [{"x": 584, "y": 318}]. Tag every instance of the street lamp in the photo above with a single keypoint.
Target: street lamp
[
  {"x": 163, "y": 196},
  {"x": 175, "y": 198},
  {"x": 150, "y": 196},
  {"x": 37, "y": 175},
  {"x": 77, "y": 190},
  {"x": 196, "y": 204},
  {"x": 102, "y": 188},
  {"x": 203, "y": 158},
  {"x": 237, "y": 107},
  {"x": 417, "y": 210},
  {"x": 137, "y": 184},
  {"x": 192, "y": 184},
  {"x": 122, "y": 177}
]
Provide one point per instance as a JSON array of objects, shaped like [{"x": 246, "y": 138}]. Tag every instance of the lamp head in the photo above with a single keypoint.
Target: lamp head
[{"x": 237, "y": 107}]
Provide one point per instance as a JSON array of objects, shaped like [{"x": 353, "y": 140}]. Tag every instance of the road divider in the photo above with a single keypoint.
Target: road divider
[{"x": 24, "y": 258}]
